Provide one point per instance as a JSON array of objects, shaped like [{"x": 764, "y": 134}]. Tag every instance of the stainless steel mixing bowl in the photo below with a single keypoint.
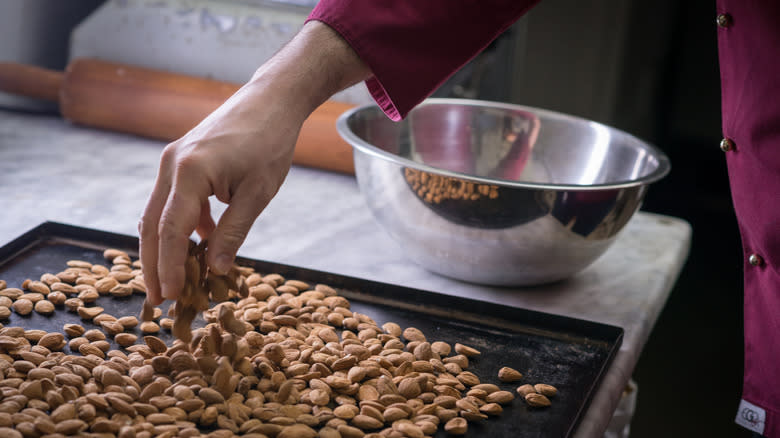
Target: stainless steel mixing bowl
[{"x": 495, "y": 193}]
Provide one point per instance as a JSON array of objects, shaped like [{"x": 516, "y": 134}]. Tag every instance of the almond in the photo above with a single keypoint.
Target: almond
[
  {"x": 546, "y": 390},
  {"x": 125, "y": 339},
  {"x": 506, "y": 374},
  {"x": 23, "y": 306},
  {"x": 537, "y": 400},
  {"x": 466, "y": 350},
  {"x": 456, "y": 426},
  {"x": 88, "y": 313}
]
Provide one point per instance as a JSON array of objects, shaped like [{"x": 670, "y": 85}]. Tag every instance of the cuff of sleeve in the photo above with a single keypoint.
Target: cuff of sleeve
[{"x": 382, "y": 98}]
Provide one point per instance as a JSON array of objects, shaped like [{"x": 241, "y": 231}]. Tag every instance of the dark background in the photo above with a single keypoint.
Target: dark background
[
  {"x": 651, "y": 69},
  {"x": 695, "y": 354}
]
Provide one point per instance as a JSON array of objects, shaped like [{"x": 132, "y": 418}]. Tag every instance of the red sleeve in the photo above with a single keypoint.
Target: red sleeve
[{"x": 412, "y": 46}]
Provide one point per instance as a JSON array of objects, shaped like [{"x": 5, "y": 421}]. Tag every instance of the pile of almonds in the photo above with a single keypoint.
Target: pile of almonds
[
  {"x": 276, "y": 358},
  {"x": 433, "y": 188}
]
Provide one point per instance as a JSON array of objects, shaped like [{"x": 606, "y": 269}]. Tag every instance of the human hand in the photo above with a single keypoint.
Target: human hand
[{"x": 240, "y": 154}]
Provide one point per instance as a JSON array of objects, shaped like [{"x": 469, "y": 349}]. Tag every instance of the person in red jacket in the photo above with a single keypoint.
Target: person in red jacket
[{"x": 404, "y": 49}]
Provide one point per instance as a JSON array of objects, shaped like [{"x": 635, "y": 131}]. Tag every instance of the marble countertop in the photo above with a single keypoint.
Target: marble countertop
[{"x": 51, "y": 170}]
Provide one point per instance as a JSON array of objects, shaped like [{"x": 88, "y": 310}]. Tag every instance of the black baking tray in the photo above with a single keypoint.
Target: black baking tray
[{"x": 571, "y": 354}]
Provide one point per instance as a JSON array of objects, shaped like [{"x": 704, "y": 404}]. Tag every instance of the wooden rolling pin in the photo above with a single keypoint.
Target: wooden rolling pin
[{"x": 161, "y": 105}]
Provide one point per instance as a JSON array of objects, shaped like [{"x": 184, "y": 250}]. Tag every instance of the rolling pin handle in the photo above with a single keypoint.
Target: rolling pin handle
[{"x": 30, "y": 81}]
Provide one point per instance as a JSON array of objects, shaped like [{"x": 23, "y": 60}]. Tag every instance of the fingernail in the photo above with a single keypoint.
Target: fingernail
[{"x": 223, "y": 264}]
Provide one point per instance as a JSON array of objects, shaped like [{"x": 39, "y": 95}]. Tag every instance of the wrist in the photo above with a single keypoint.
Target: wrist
[{"x": 312, "y": 67}]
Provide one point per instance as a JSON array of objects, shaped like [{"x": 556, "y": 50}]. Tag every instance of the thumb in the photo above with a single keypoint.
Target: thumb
[{"x": 231, "y": 231}]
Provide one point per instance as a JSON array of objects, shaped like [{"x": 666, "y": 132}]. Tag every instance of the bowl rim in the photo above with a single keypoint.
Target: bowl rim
[{"x": 342, "y": 126}]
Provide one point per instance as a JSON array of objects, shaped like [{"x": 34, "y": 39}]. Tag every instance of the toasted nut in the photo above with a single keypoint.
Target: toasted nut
[
  {"x": 44, "y": 307},
  {"x": 112, "y": 253},
  {"x": 456, "y": 426},
  {"x": 79, "y": 264},
  {"x": 366, "y": 422},
  {"x": 125, "y": 339},
  {"x": 121, "y": 260},
  {"x": 349, "y": 431},
  {"x": 39, "y": 287},
  {"x": 122, "y": 277},
  {"x": 501, "y": 397},
  {"x": 34, "y": 297},
  {"x": 229, "y": 322},
  {"x": 149, "y": 327},
  {"x": 183, "y": 361},
  {"x": 526, "y": 389},
  {"x": 87, "y": 349},
  {"x": 491, "y": 409},
  {"x": 52, "y": 341},
  {"x": 412, "y": 430},
  {"x": 88, "y": 295},
  {"x": 120, "y": 290},
  {"x": 128, "y": 322},
  {"x": 443, "y": 349},
  {"x": 34, "y": 335},
  {"x": 112, "y": 328},
  {"x": 88, "y": 313},
  {"x": 147, "y": 311},
  {"x": 137, "y": 285},
  {"x": 12, "y": 293},
  {"x": 468, "y": 378},
  {"x": 73, "y": 330},
  {"x": 57, "y": 298},
  {"x": 73, "y": 304},
  {"x": 297, "y": 431},
  {"x": 104, "y": 285},
  {"x": 546, "y": 390},
  {"x": 413, "y": 334},
  {"x": 23, "y": 306},
  {"x": 94, "y": 335},
  {"x": 537, "y": 400},
  {"x": 103, "y": 317},
  {"x": 155, "y": 344},
  {"x": 506, "y": 374},
  {"x": 75, "y": 343},
  {"x": 70, "y": 427},
  {"x": 466, "y": 350},
  {"x": 65, "y": 288}
]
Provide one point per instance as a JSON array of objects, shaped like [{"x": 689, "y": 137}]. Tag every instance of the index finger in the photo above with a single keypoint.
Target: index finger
[
  {"x": 179, "y": 218},
  {"x": 148, "y": 238}
]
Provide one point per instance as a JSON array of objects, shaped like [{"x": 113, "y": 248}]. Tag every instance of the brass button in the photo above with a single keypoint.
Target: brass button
[
  {"x": 755, "y": 260},
  {"x": 723, "y": 20},
  {"x": 726, "y": 145}
]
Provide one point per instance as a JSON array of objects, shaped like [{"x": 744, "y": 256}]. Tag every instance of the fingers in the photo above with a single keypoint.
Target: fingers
[
  {"x": 179, "y": 218},
  {"x": 232, "y": 230},
  {"x": 148, "y": 238},
  {"x": 206, "y": 222}
]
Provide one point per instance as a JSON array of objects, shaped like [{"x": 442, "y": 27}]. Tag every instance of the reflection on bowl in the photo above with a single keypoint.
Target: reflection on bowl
[{"x": 496, "y": 193}]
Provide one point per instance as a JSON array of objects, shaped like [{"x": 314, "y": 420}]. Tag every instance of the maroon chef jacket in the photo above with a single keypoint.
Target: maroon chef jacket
[{"x": 412, "y": 46}]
